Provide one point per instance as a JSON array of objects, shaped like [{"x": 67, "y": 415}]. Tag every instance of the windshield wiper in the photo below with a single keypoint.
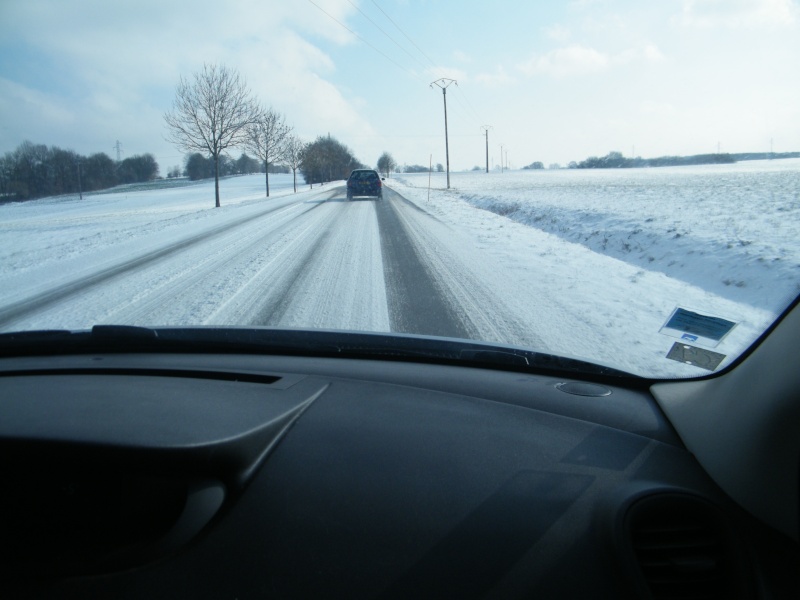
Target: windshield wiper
[{"x": 296, "y": 342}]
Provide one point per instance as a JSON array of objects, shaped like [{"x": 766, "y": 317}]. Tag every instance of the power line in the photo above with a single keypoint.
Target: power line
[
  {"x": 398, "y": 65},
  {"x": 411, "y": 135},
  {"x": 469, "y": 104},
  {"x": 435, "y": 66},
  {"x": 386, "y": 34},
  {"x": 467, "y": 116},
  {"x": 470, "y": 115}
]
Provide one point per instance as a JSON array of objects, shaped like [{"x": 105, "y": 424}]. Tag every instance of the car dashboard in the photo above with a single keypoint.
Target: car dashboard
[{"x": 244, "y": 475}]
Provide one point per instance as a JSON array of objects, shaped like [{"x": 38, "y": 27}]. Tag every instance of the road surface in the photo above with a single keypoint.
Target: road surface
[{"x": 317, "y": 262}]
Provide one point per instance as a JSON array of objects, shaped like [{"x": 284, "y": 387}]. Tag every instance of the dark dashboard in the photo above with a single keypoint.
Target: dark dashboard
[{"x": 238, "y": 476}]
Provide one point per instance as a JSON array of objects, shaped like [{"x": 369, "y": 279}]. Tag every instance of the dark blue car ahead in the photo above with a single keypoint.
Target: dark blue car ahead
[{"x": 364, "y": 182}]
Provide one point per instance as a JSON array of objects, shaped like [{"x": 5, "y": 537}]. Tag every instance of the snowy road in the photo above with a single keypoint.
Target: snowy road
[
  {"x": 318, "y": 261},
  {"x": 529, "y": 271}
]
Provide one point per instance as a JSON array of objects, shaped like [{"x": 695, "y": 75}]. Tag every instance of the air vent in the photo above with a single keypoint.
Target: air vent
[{"x": 685, "y": 549}]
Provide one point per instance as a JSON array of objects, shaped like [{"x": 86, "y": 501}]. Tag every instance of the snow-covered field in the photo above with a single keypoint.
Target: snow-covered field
[
  {"x": 730, "y": 229},
  {"x": 580, "y": 263},
  {"x": 622, "y": 249}
]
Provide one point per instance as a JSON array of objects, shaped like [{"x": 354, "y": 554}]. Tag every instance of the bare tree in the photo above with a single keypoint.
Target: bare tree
[
  {"x": 293, "y": 152},
  {"x": 386, "y": 164},
  {"x": 266, "y": 138},
  {"x": 211, "y": 113}
]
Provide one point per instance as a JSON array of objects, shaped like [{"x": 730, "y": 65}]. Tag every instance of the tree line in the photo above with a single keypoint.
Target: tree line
[
  {"x": 214, "y": 110},
  {"x": 438, "y": 167},
  {"x": 36, "y": 170},
  {"x": 198, "y": 166},
  {"x": 615, "y": 160}
]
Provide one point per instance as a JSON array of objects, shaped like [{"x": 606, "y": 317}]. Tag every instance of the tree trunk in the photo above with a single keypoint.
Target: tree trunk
[
  {"x": 216, "y": 178},
  {"x": 294, "y": 177},
  {"x": 266, "y": 172}
]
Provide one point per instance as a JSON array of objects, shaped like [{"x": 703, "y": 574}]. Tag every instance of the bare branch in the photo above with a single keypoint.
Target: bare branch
[
  {"x": 267, "y": 136},
  {"x": 211, "y": 113},
  {"x": 294, "y": 151}
]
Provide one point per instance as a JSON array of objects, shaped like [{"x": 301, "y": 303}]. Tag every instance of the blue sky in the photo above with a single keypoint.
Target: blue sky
[{"x": 557, "y": 81}]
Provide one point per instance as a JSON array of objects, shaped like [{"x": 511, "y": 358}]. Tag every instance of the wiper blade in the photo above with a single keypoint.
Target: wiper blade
[
  {"x": 123, "y": 333},
  {"x": 39, "y": 335},
  {"x": 297, "y": 342},
  {"x": 57, "y": 341},
  {"x": 25, "y": 342},
  {"x": 495, "y": 356}
]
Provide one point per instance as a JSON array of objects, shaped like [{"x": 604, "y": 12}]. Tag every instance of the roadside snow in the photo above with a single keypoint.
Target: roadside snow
[
  {"x": 587, "y": 264},
  {"x": 46, "y": 243},
  {"x": 732, "y": 229},
  {"x": 600, "y": 259}
]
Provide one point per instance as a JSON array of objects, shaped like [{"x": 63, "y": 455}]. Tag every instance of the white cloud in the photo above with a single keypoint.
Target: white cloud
[
  {"x": 120, "y": 62},
  {"x": 21, "y": 104},
  {"x": 558, "y": 33},
  {"x": 89, "y": 72},
  {"x": 498, "y": 77},
  {"x": 325, "y": 109},
  {"x": 310, "y": 18},
  {"x": 582, "y": 60},
  {"x": 739, "y": 13},
  {"x": 648, "y": 53},
  {"x": 153, "y": 42},
  {"x": 87, "y": 127},
  {"x": 562, "y": 62}
]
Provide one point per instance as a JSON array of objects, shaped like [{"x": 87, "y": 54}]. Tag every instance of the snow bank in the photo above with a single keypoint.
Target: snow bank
[{"x": 732, "y": 229}]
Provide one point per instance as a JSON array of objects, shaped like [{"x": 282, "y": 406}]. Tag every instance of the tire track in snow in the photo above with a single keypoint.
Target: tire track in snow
[
  {"x": 197, "y": 290},
  {"x": 360, "y": 265},
  {"x": 460, "y": 278},
  {"x": 417, "y": 304},
  {"x": 79, "y": 287},
  {"x": 336, "y": 281}
]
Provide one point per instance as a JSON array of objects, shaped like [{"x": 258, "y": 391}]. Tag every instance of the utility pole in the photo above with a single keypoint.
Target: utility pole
[
  {"x": 501, "y": 158},
  {"x": 444, "y": 83},
  {"x": 118, "y": 148},
  {"x": 486, "y": 129},
  {"x": 80, "y": 188}
]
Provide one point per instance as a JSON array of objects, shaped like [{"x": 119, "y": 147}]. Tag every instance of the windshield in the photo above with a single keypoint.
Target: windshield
[{"x": 605, "y": 180}]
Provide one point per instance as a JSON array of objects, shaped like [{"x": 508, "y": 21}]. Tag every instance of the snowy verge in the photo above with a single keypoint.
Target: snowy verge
[
  {"x": 598, "y": 301},
  {"x": 732, "y": 229}
]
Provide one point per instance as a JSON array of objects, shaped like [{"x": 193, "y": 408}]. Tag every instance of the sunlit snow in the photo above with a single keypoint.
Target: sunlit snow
[{"x": 581, "y": 263}]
